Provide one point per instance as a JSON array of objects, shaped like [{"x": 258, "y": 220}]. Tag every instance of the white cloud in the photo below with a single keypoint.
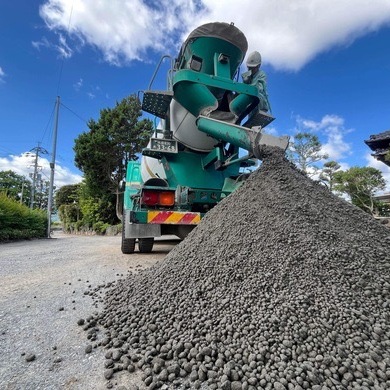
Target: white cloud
[
  {"x": 78, "y": 85},
  {"x": 42, "y": 43},
  {"x": 122, "y": 30},
  {"x": 330, "y": 127},
  {"x": 372, "y": 162},
  {"x": 291, "y": 33},
  {"x": 272, "y": 130},
  {"x": 2, "y": 75},
  {"x": 24, "y": 165},
  {"x": 61, "y": 47},
  {"x": 288, "y": 33},
  {"x": 94, "y": 91},
  {"x": 344, "y": 166}
]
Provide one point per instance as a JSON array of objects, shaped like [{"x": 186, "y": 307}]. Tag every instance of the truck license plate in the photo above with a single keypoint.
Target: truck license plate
[{"x": 164, "y": 145}]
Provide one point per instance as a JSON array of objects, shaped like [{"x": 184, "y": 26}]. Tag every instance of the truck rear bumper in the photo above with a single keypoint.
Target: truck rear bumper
[
  {"x": 137, "y": 230},
  {"x": 142, "y": 224}
]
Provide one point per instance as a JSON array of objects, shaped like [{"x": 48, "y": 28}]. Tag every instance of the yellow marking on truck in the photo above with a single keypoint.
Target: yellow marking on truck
[{"x": 173, "y": 217}]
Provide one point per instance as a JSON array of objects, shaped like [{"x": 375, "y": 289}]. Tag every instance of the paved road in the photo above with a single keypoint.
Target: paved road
[{"x": 42, "y": 285}]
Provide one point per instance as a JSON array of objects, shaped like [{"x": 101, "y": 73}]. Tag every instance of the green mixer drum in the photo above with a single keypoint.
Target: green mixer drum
[{"x": 212, "y": 38}]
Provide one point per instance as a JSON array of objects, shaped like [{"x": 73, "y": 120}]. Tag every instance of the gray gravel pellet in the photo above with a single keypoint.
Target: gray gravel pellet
[{"x": 30, "y": 357}]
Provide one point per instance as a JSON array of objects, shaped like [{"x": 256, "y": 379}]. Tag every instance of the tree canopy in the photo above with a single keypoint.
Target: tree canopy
[
  {"x": 15, "y": 186},
  {"x": 360, "y": 184},
  {"x": 67, "y": 194},
  {"x": 304, "y": 151},
  {"x": 103, "y": 152},
  {"x": 328, "y": 172}
]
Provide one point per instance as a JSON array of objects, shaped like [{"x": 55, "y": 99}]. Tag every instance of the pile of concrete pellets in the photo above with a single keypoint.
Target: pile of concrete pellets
[{"x": 282, "y": 285}]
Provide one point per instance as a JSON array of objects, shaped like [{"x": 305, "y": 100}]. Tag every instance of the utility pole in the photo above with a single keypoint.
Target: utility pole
[
  {"x": 21, "y": 196},
  {"x": 52, "y": 168},
  {"x": 38, "y": 150}
]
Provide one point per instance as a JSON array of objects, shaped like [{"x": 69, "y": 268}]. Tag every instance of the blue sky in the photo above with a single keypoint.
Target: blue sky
[{"x": 327, "y": 62}]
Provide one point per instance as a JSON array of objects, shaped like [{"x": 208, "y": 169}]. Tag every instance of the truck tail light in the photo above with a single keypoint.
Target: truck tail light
[
  {"x": 167, "y": 198},
  {"x": 158, "y": 198},
  {"x": 150, "y": 198}
]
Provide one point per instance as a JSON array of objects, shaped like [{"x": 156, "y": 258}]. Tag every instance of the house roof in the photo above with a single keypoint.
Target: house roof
[{"x": 380, "y": 145}]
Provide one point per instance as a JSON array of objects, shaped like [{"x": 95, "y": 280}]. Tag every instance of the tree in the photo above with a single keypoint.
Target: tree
[
  {"x": 360, "y": 184},
  {"x": 327, "y": 174},
  {"x": 305, "y": 151},
  {"x": 102, "y": 153},
  {"x": 15, "y": 186},
  {"x": 67, "y": 202},
  {"x": 42, "y": 194},
  {"x": 68, "y": 194}
]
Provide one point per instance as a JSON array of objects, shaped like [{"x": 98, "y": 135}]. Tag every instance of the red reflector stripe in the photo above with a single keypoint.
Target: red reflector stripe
[
  {"x": 187, "y": 218},
  {"x": 172, "y": 217},
  {"x": 160, "y": 217}
]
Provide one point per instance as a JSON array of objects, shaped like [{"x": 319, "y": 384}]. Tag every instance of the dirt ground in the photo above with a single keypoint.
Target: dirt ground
[{"x": 42, "y": 296}]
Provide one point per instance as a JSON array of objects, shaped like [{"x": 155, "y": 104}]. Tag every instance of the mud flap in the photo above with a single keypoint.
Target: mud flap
[{"x": 140, "y": 230}]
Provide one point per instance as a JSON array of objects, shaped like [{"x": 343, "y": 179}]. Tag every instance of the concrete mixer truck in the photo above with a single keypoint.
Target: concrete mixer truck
[{"x": 194, "y": 158}]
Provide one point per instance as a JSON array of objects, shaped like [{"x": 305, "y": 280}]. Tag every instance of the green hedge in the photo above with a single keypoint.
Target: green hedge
[
  {"x": 17, "y": 221},
  {"x": 100, "y": 227}
]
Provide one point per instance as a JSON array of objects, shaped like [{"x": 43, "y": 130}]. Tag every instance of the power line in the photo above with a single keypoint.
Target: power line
[
  {"x": 63, "y": 58},
  {"x": 48, "y": 122},
  {"x": 5, "y": 152},
  {"x": 74, "y": 113}
]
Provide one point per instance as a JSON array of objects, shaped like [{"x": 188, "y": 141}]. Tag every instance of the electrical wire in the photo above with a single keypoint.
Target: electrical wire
[
  {"x": 5, "y": 152},
  {"x": 58, "y": 84},
  {"x": 63, "y": 58},
  {"x": 48, "y": 122},
  {"x": 74, "y": 113}
]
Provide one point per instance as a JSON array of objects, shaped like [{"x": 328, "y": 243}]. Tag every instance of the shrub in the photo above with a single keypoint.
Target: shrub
[
  {"x": 100, "y": 227},
  {"x": 17, "y": 221}
]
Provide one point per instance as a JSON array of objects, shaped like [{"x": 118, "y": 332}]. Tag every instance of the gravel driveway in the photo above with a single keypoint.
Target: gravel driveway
[{"x": 42, "y": 296}]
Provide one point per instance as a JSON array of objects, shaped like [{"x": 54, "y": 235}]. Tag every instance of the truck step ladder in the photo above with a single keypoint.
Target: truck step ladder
[{"x": 157, "y": 102}]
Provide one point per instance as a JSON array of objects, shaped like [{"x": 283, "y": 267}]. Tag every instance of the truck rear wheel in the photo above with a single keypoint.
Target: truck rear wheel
[
  {"x": 128, "y": 244},
  {"x": 145, "y": 245}
]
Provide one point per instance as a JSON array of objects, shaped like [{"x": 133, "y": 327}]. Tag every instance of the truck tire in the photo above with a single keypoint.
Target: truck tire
[
  {"x": 128, "y": 244},
  {"x": 145, "y": 245}
]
